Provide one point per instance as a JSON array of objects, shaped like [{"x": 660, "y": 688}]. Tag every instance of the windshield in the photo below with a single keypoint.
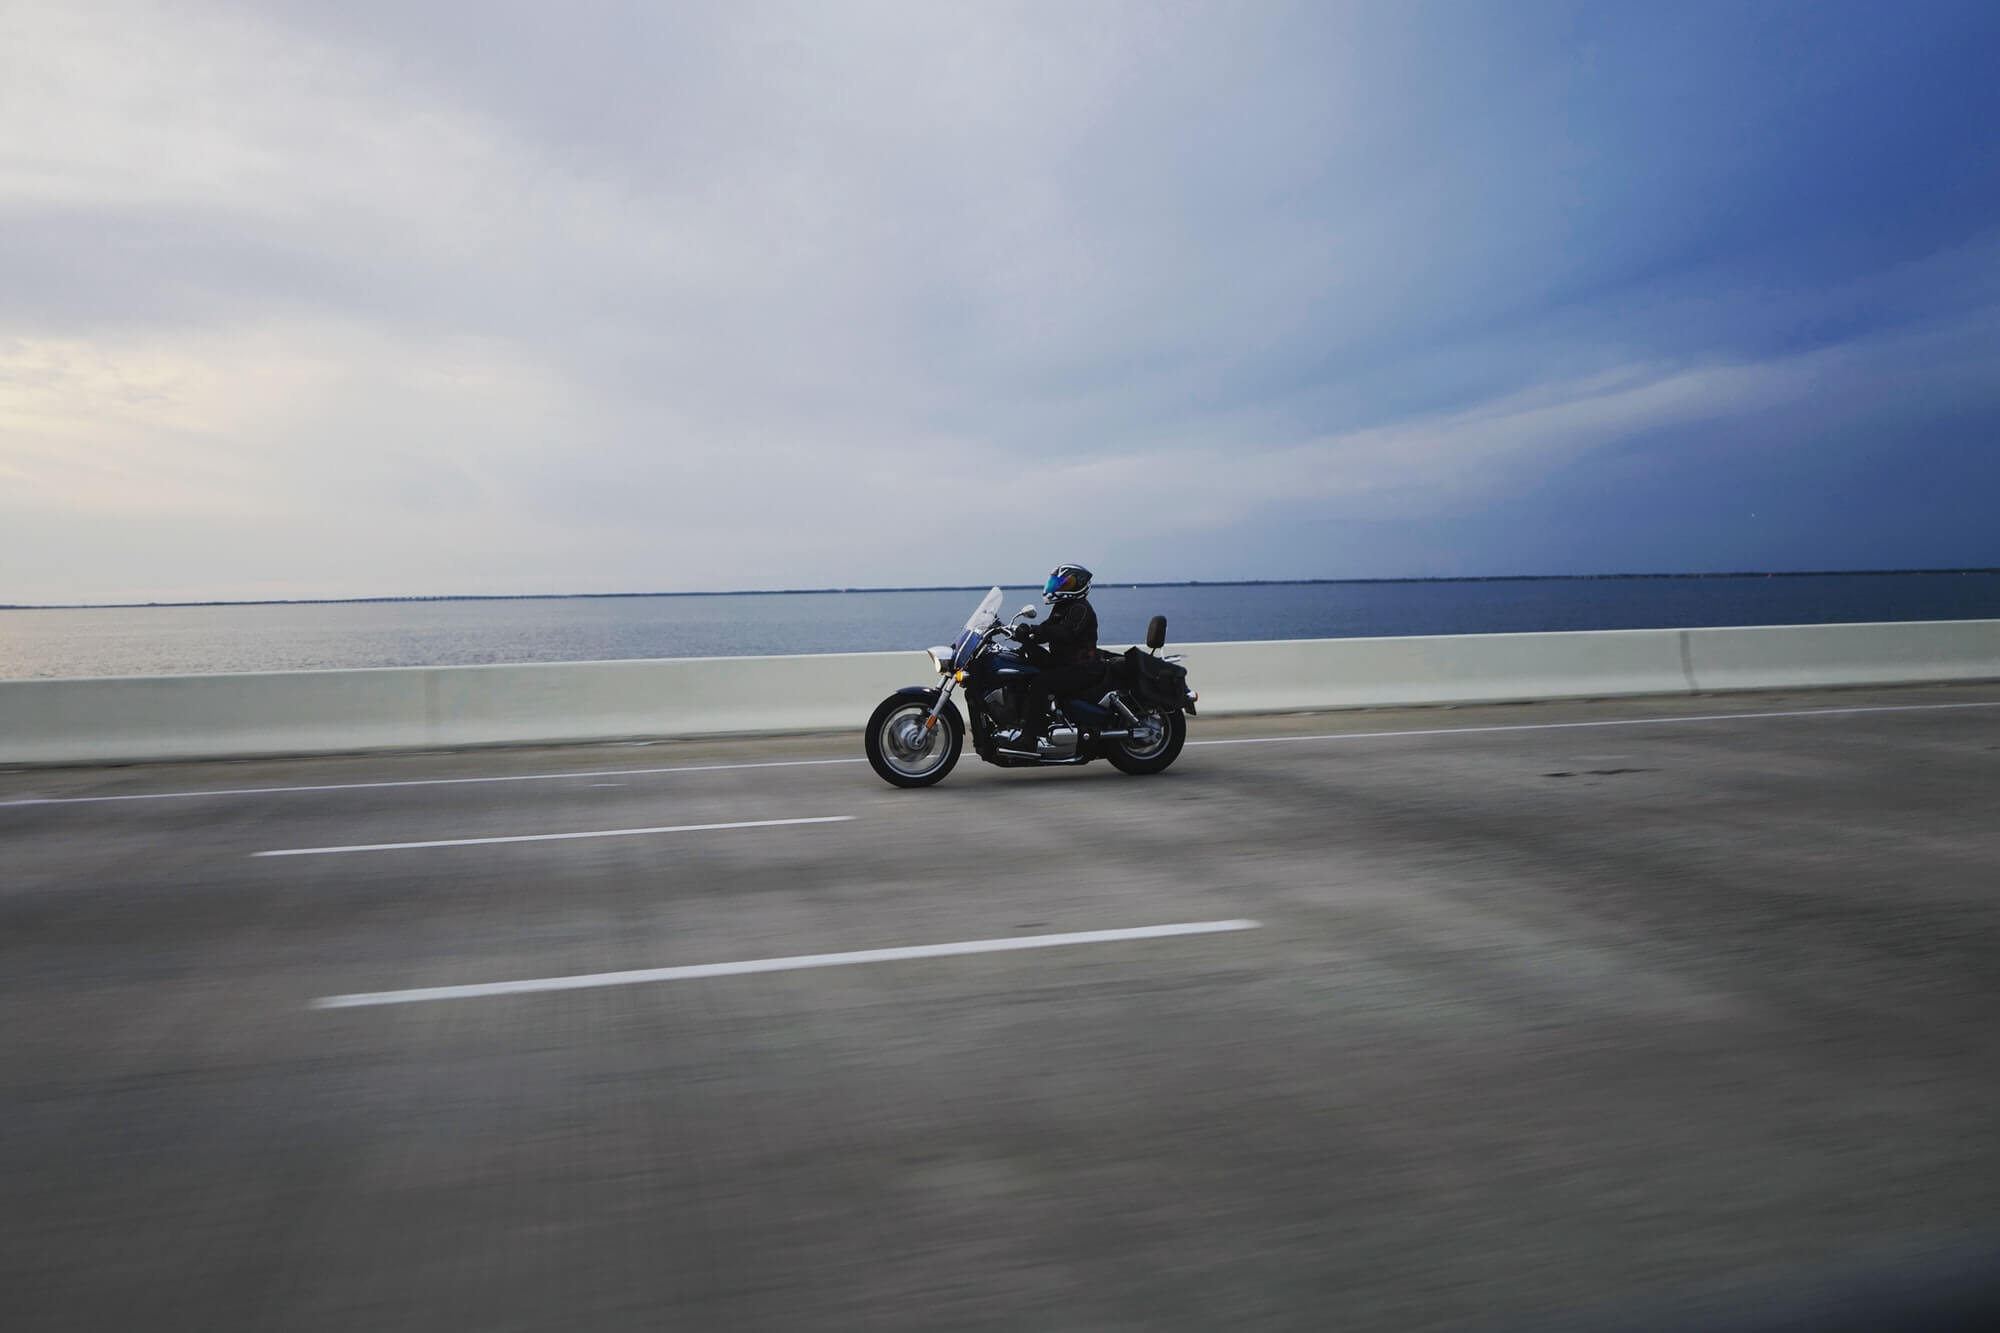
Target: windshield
[{"x": 988, "y": 614}]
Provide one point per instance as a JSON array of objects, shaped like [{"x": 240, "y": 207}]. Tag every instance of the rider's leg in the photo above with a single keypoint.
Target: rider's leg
[
  {"x": 1034, "y": 711},
  {"x": 1062, "y": 682}
]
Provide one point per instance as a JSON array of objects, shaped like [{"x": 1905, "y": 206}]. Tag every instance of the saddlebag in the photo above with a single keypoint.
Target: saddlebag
[{"x": 1156, "y": 680}]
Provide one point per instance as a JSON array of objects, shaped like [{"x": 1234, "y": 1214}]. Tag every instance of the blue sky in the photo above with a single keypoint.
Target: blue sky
[{"x": 326, "y": 300}]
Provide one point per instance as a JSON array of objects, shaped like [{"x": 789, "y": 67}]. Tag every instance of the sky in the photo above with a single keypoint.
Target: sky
[{"x": 306, "y": 298}]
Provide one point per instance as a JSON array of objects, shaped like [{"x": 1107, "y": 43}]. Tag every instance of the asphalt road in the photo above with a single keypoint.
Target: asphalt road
[{"x": 1536, "y": 1018}]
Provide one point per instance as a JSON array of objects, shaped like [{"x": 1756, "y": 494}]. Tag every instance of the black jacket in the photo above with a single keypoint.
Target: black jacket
[{"x": 1070, "y": 632}]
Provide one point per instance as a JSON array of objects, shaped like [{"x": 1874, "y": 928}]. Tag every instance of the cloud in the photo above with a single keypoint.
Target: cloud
[{"x": 614, "y": 296}]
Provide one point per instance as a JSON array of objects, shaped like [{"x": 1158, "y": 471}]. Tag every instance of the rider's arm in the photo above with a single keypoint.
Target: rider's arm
[{"x": 1064, "y": 626}]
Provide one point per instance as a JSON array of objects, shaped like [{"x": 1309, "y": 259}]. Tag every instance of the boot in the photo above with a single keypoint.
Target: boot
[{"x": 1031, "y": 730}]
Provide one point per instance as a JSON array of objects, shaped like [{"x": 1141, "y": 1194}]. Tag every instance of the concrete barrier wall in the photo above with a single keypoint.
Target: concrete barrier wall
[
  {"x": 690, "y": 696},
  {"x": 1284, "y": 675},
  {"x": 190, "y": 717},
  {"x": 308, "y": 712},
  {"x": 179, "y": 717},
  {"x": 1879, "y": 654}
]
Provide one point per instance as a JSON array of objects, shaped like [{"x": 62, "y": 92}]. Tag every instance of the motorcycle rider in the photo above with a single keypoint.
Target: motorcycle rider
[{"x": 1070, "y": 635}]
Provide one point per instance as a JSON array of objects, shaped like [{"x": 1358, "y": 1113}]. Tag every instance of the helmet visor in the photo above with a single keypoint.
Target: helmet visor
[{"x": 1058, "y": 584}]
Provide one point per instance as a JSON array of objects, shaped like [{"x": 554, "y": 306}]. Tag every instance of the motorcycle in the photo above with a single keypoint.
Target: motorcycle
[{"x": 1138, "y": 722}]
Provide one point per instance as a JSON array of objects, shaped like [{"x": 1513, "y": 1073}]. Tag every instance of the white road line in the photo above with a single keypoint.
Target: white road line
[
  {"x": 1607, "y": 722},
  {"x": 792, "y": 964},
  {"x": 425, "y": 782},
  {"x": 550, "y": 837},
  {"x": 817, "y": 763}
]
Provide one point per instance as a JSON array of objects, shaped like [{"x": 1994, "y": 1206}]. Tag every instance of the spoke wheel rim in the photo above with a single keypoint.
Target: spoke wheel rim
[
  {"x": 908, "y": 748},
  {"x": 1156, "y": 733}
]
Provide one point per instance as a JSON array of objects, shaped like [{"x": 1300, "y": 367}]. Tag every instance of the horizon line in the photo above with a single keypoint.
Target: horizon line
[{"x": 974, "y": 587}]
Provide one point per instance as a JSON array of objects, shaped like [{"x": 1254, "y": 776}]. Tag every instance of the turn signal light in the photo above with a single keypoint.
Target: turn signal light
[{"x": 959, "y": 677}]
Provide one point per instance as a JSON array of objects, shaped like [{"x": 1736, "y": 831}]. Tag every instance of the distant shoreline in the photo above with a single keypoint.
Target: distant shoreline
[{"x": 976, "y": 587}]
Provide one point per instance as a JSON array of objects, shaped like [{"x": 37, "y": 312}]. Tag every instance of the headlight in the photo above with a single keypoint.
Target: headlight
[{"x": 941, "y": 660}]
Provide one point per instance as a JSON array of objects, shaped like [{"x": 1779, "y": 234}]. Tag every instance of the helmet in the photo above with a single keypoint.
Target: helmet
[{"x": 1066, "y": 581}]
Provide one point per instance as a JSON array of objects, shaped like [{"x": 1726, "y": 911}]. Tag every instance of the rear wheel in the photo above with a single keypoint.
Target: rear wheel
[
  {"x": 1155, "y": 743},
  {"x": 902, "y": 751}
]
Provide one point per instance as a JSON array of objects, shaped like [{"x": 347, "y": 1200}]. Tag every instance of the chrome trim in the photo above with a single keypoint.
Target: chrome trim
[
  {"x": 907, "y": 747},
  {"x": 944, "y": 697}
]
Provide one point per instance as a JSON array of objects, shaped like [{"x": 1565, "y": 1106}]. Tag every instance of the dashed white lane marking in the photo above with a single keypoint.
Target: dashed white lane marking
[
  {"x": 1604, "y": 722},
  {"x": 793, "y": 964},
  {"x": 550, "y": 837},
  {"x": 819, "y": 763}
]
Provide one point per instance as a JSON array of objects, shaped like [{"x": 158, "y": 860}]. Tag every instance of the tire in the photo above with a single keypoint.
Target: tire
[
  {"x": 1151, "y": 758},
  {"x": 891, "y": 753}
]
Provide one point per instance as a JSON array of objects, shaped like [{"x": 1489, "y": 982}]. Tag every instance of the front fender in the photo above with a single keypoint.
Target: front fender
[{"x": 929, "y": 695}]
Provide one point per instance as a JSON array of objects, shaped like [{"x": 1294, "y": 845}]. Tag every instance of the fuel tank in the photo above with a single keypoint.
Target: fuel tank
[{"x": 1009, "y": 666}]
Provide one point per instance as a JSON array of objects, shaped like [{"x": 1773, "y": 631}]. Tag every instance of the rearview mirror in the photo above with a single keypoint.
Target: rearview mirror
[
  {"x": 1156, "y": 633},
  {"x": 1027, "y": 613}
]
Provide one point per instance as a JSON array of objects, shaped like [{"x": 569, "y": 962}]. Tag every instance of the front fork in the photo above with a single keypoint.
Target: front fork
[{"x": 944, "y": 697}]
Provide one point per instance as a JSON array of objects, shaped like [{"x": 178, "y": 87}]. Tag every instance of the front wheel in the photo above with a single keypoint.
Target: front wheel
[
  {"x": 902, "y": 752},
  {"x": 1155, "y": 743}
]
